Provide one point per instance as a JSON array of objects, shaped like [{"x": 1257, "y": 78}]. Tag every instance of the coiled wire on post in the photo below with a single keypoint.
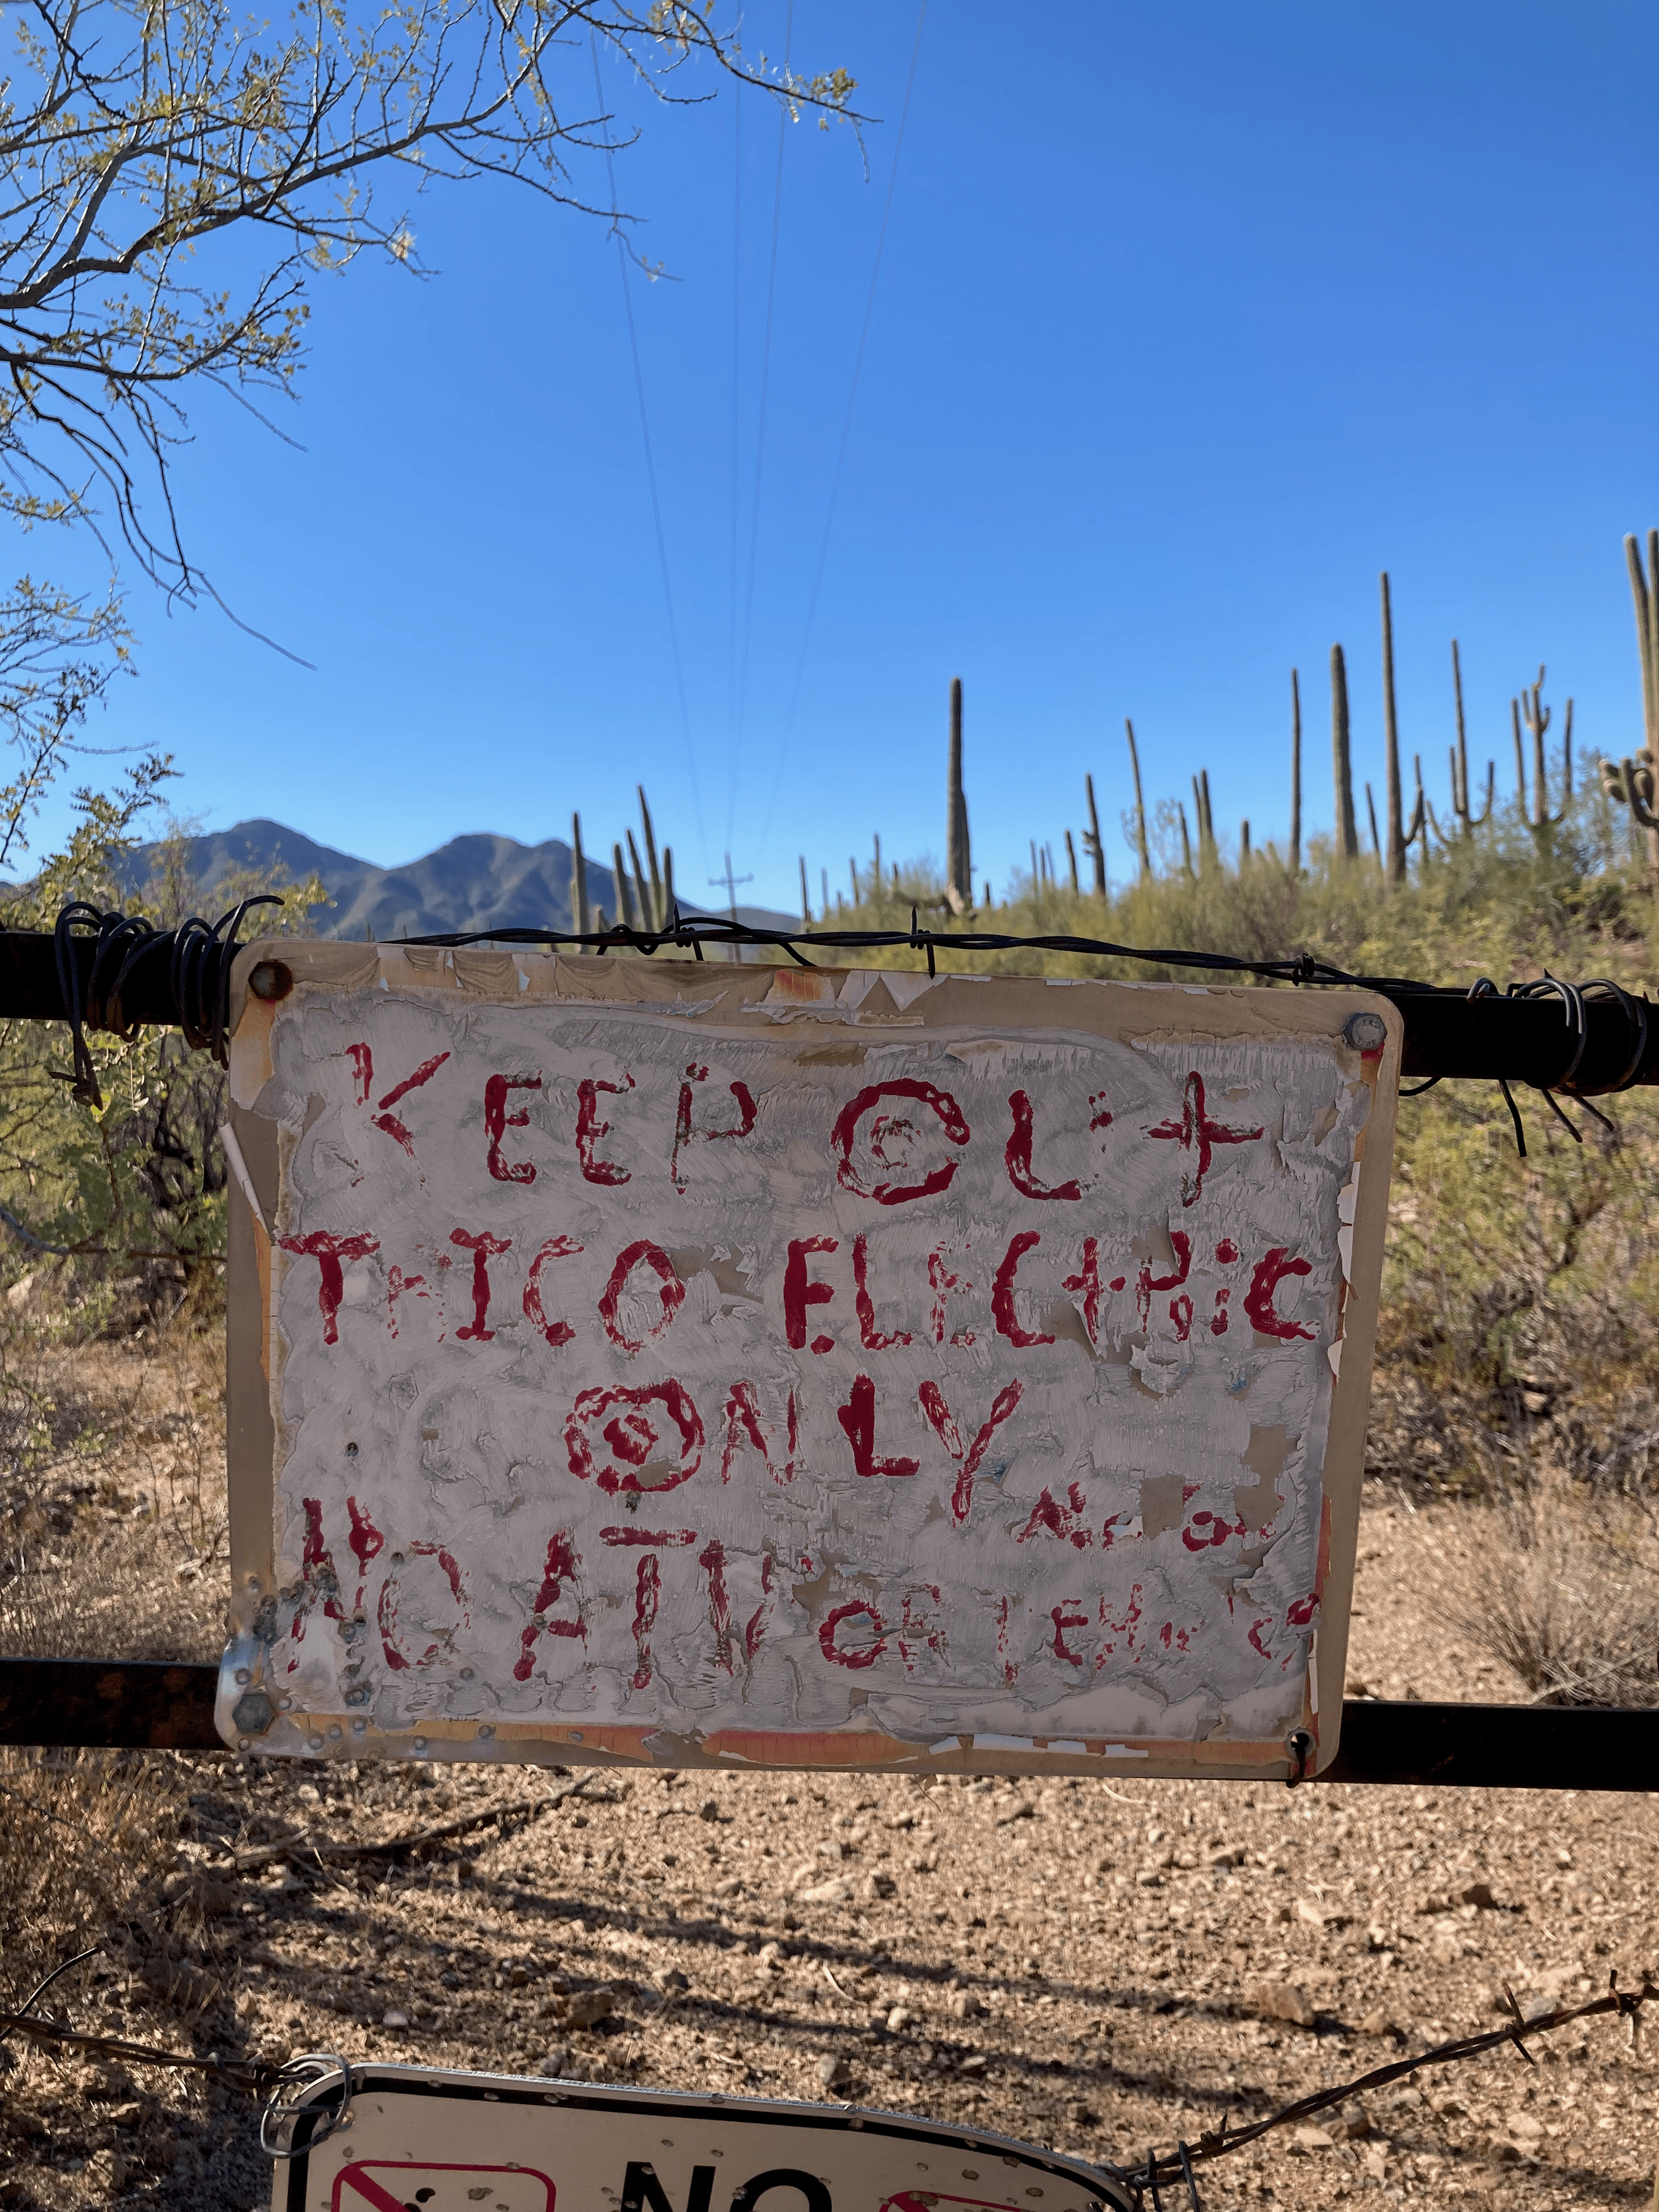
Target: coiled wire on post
[
  {"x": 198, "y": 955},
  {"x": 283, "y": 2108}
]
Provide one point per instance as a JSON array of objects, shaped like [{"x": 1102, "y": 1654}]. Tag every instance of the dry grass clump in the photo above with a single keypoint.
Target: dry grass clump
[
  {"x": 1571, "y": 1596},
  {"x": 113, "y": 1531}
]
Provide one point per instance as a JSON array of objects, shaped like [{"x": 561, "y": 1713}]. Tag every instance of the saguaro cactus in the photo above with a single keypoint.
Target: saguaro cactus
[
  {"x": 671, "y": 904},
  {"x": 1347, "y": 829},
  {"x": 959, "y": 867},
  {"x": 1070, "y": 861},
  {"x": 1091, "y": 843},
  {"x": 1186, "y": 840},
  {"x": 1646, "y": 589},
  {"x": 579, "y": 867},
  {"x": 619, "y": 879},
  {"x": 1296, "y": 775},
  {"x": 1530, "y": 708},
  {"x": 1141, "y": 847},
  {"x": 647, "y": 909},
  {"x": 1208, "y": 852},
  {"x": 659, "y": 910},
  {"x": 1460, "y": 762},
  {"x": 1398, "y": 840},
  {"x": 805, "y": 896}
]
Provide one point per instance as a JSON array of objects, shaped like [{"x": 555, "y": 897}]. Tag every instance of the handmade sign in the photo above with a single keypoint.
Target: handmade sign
[
  {"x": 685, "y": 1362},
  {"x": 449, "y": 2143}
]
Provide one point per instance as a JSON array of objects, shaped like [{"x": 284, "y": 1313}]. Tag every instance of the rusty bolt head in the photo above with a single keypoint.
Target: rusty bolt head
[
  {"x": 252, "y": 1713},
  {"x": 270, "y": 979},
  {"x": 1366, "y": 1032}
]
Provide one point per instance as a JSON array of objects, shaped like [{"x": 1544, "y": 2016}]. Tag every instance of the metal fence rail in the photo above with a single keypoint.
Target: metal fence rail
[{"x": 159, "y": 1705}]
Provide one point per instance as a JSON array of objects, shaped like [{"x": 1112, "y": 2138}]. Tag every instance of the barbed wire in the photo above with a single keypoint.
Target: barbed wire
[
  {"x": 1177, "y": 2166},
  {"x": 269, "y": 2078},
  {"x": 253, "y": 2076}
]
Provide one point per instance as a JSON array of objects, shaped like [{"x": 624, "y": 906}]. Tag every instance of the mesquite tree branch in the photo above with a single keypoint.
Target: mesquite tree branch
[{"x": 135, "y": 140}]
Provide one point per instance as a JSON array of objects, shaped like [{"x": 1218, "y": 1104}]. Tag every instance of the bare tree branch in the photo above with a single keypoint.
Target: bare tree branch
[{"x": 135, "y": 134}]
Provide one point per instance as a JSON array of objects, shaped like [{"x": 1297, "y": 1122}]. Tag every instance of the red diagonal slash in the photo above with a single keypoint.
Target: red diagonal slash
[{"x": 363, "y": 2183}]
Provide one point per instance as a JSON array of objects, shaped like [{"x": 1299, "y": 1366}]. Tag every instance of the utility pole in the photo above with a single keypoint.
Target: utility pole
[{"x": 729, "y": 883}]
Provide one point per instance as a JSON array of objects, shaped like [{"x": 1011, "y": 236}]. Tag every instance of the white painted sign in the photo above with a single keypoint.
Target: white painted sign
[
  {"x": 454, "y": 2142},
  {"x": 800, "y": 1368}
]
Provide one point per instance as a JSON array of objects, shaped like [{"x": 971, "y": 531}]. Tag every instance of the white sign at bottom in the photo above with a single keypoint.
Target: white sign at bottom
[{"x": 472, "y": 2142}]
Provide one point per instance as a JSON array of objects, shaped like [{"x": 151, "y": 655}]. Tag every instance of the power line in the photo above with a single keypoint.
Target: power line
[
  {"x": 847, "y": 425},
  {"x": 650, "y": 466},
  {"x": 760, "y": 433},
  {"x": 737, "y": 392}
]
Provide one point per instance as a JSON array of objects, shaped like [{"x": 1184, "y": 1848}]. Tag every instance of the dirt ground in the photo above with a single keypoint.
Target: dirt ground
[{"x": 1097, "y": 1967}]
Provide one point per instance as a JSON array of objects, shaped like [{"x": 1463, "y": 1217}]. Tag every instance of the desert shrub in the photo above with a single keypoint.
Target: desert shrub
[
  {"x": 1570, "y": 1599},
  {"x": 127, "y": 1196}
]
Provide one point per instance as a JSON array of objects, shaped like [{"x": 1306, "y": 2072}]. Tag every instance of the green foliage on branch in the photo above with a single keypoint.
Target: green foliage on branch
[{"x": 133, "y": 1190}]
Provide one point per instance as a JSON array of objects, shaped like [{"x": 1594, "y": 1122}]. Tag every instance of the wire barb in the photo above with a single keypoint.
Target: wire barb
[{"x": 1173, "y": 2166}]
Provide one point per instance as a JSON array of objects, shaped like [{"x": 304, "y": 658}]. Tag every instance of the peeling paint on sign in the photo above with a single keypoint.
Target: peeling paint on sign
[{"x": 810, "y": 1372}]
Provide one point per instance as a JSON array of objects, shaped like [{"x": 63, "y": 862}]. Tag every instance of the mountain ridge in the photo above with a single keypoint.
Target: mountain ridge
[{"x": 478, "y": 881}]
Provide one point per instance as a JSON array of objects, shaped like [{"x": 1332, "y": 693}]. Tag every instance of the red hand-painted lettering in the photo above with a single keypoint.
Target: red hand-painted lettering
[
  {"x": 484, "y": 1248},
  {"x": 743, "y": 1422},
  {"x": 1197, "y": 1135},
  {"x": 683, "y": 1132},
  {"x": 391, "y": 1601},
  {"x": 1066, "y": 1615},
  {"x": 1016, "y": 1156},
  {"x": 383, "y": 1118},
  {"x": 945, "y": 1427},
  {"x": 638, "y": 1436},
  {"x": 756, "y": 1628},
  {"x": 712, "y": 1560},
  {"x": 857, "y": 1419},
  {"x": 945, "y": 1285},
  {"x": 316, "y": 1564},
  {"x": 398, "y": 1286},
  {"x": 498, "y": 1121},
  {"x": 895, "y": 1134},
  {"x": 1181, "y": 1245},
  {"x": 858, "y": 1655},
  {"x": 1204, "y": 1531},
  {"x": 1002, "y": 1292},
  {"x": 561, "y": 1568},
  {"x": 871, "y": 1338},
  {"x": 798, "y": 1292},
  {"x": 591, "y": 1131},
  {"x": 1087, "y": 1279},
  {"x": 920, "y": 1630},
  {"x": 330, "y": 1253},
  {"x": 1259, "y": 1298},
  {"x": 1065, "y": 1520},
  {"x": 670, "y": 1292},
  {"x": 648, "y": 1589},
  {"x": 555, "y": 1331},
  {"x": 1115, "y": 1628}
]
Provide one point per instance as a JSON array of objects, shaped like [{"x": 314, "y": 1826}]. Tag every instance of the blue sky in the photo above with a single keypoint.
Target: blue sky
[{"x": 1190, "y": 319}]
